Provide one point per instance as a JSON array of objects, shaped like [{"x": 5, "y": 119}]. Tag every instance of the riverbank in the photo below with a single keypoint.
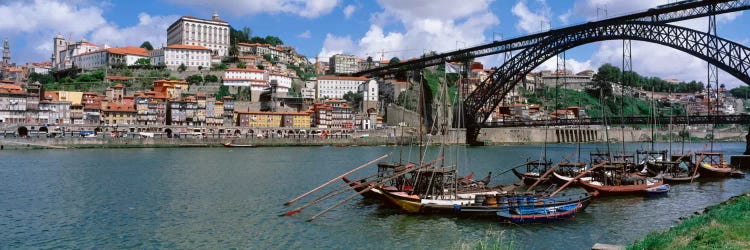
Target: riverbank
[{"x": 722, "y": 226}]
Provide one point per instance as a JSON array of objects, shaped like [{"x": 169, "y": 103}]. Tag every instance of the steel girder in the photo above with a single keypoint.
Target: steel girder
[
  {"x": 656, "y": 16},
  {"x": 729, "y": 56}
]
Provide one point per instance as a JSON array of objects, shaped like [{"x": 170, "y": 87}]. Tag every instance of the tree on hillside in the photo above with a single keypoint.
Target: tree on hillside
[
  {"x": 274, "y": 40},
  {"x": 354, "y": 99},
  {"x": 223, "y": 91},
  {"x": 241, "y": 65},
  {"x": 211, "y": 78},
  {"x": 609, "y": 73},
  {"x": 601, "y": 87},
  {"x": 394, "y": 61},
  {"x": 143, "y": 62},
  {"x": 222, "y": 66},
  {"x": 147, "y": 45},
  {"x": 741, "y": 92},
  {"x": 194, "y": 79},
  {"x": 182, "y": 67}
]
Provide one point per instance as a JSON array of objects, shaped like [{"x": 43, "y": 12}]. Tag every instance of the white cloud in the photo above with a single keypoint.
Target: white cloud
[
  {"x": 307, "y": 34},
  {"x": 304, "y": 8},
  {"x": 531, "y": 22},
  {"x": 149, "y": 28},
  {"x": 421, "y": 26},
  {"x": 336, "y": 45},
  {"x": 39, "y": 21},
  {"x": 349, "y": 10},
  {"x": 570, "y": 64},
  {"x": 565, "y": 18}
]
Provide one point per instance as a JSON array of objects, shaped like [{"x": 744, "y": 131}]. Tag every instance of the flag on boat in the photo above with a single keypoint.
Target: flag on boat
[{"x": 452, "y": 68}]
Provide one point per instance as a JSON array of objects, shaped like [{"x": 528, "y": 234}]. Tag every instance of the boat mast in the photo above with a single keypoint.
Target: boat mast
[{"x": 421, "y": 118}]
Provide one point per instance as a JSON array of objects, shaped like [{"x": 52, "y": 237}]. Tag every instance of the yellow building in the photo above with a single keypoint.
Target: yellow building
[
  {"x": 257, "y": 119},
  {"x": 118, "y": 114}
]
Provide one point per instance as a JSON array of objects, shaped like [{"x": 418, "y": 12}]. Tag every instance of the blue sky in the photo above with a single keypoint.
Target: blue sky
[{"x": 377, "y": 28}]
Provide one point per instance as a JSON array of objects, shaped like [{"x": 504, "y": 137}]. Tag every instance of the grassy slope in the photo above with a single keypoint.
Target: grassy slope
[{"x": 724, "y": 226}]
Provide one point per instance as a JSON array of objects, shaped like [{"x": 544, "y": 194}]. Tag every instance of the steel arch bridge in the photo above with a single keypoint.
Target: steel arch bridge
[{"x": 729, "y": 56}]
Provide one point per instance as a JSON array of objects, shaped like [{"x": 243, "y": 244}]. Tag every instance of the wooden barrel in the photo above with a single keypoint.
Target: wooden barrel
[{"x": 490, "y": 200}]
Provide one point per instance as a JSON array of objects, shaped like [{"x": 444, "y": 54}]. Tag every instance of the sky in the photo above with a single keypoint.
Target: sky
[{"x": 381, "y": 29}]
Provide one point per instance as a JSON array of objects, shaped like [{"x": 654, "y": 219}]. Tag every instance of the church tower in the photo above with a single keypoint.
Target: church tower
[
  {"x": 58, "y": 46},
  {"x": 6, "y": 52}
]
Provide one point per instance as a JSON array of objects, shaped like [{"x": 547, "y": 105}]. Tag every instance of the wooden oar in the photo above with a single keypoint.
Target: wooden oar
[
  {"x": 368, "y": 189},
  {"x": 695, "y": 170},
  {"x": 547, "y": 173},
  {"x": 336, "y": 178},
  {"x": 578, "y": 176},
  {"x": 508, "y": 170},
  {"x": 335, "y": 193}
]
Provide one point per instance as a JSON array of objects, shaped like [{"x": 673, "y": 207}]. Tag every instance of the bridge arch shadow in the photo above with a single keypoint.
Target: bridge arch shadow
[{"x": 729, "y": 56}]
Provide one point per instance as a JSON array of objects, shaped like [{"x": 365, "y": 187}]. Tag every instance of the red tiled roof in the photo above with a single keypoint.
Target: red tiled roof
[
  {"x": 122, "y": 107},
  {"x": 212, "y": 20}
]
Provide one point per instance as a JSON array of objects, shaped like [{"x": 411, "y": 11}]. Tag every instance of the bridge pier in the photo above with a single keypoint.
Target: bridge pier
[{"x": 747, "y": 142}]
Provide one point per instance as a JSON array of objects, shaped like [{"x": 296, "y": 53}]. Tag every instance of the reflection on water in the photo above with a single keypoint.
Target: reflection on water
[{"x": 224, "y": 198}]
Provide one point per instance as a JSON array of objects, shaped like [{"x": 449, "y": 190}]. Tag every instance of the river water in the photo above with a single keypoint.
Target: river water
[{"x": 209, "y": 198}]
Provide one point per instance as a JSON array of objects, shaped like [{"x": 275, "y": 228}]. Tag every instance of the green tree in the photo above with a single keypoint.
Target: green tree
[
  {"x": 354, "y": 99},
  {"x": 143, "y": 62},
  {"x": 147, "y": 45},
  {"x": 601, "y": 87},
  {"x": 223, "y": 91},
  {"x": 274, "y": 40},
  {"x": 222, "y": 66},
  {"x": 200, "y": 68},
  {"x": 394, "y": 61},
  {"x": 742, "y": 92},
  {"x": 194, "y": 79},
  {"x": 182, "y": 67},
  {"x": 44, "y": 79},
  {"x": 211, "y": 78},
  {"x": 241, "y": 65}
]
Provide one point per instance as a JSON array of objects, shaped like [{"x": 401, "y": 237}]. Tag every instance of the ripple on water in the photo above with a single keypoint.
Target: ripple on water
[{"x": 218, "y": 198}]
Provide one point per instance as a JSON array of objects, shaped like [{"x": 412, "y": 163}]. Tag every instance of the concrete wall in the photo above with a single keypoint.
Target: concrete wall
[
  {"x": 397, "y": 114},
  {"x": 589, "y": 134}
]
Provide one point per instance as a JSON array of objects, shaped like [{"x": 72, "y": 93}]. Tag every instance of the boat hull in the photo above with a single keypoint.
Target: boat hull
[
  {"x": 370, "y": 194},
  {"x": 529, "y": 178},
  {"x": 708, "y": 170},
  {"x": 607, "y": 190},
  {"x": 657, "y": 191},
  {"x": 673, "y": 179},
  {"x": 543, "y": 214}
]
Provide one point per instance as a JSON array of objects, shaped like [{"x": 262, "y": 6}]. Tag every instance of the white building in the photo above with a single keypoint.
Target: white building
[
  {"x": 64, "y": 51},
  {"x": 192, "y": 56},
  {"x": 283, "y": 83},
  {"x": 257, "y": 79},
  {"x": 369, "y": 91},
  {"x": 343, "y": 64},
  {"x": 212, "y": 34},
  {"x": 108, "y": 57},
  {"x": 308, "y": 92},
  {"x": 337, "y": 86}
]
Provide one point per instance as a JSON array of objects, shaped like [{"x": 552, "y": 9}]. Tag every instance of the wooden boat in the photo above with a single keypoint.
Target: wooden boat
[
  {"x": 566, "y": 170},
  {"x": 359, "y": 186},
  {"x": 534, "y": 169},
  {"x": 658, "y": 190},
  {"x": 613, "y": 180},
  {"x": 232, "y": 145},
  {"x": 541, "y": 214},
  {"x": 712, "y": 164},
  {"x": 678, "y": 172}
]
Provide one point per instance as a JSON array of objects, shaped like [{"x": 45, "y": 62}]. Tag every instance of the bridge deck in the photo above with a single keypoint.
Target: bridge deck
[{"x": 615, "y": 121}]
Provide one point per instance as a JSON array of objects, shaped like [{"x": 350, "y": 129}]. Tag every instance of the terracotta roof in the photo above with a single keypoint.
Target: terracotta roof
[
  {"x": 10, "y": 87},
  {"x": 184, "y": 46},
  {"x": 112, "y": 106},
  {"x": 118, "y": 86},
  {"x": 130, "y": 50},
  {"x": 255, "y": 44},
  {"x": 15, "y": 69},
  {"x": 350, "y": 78}
]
